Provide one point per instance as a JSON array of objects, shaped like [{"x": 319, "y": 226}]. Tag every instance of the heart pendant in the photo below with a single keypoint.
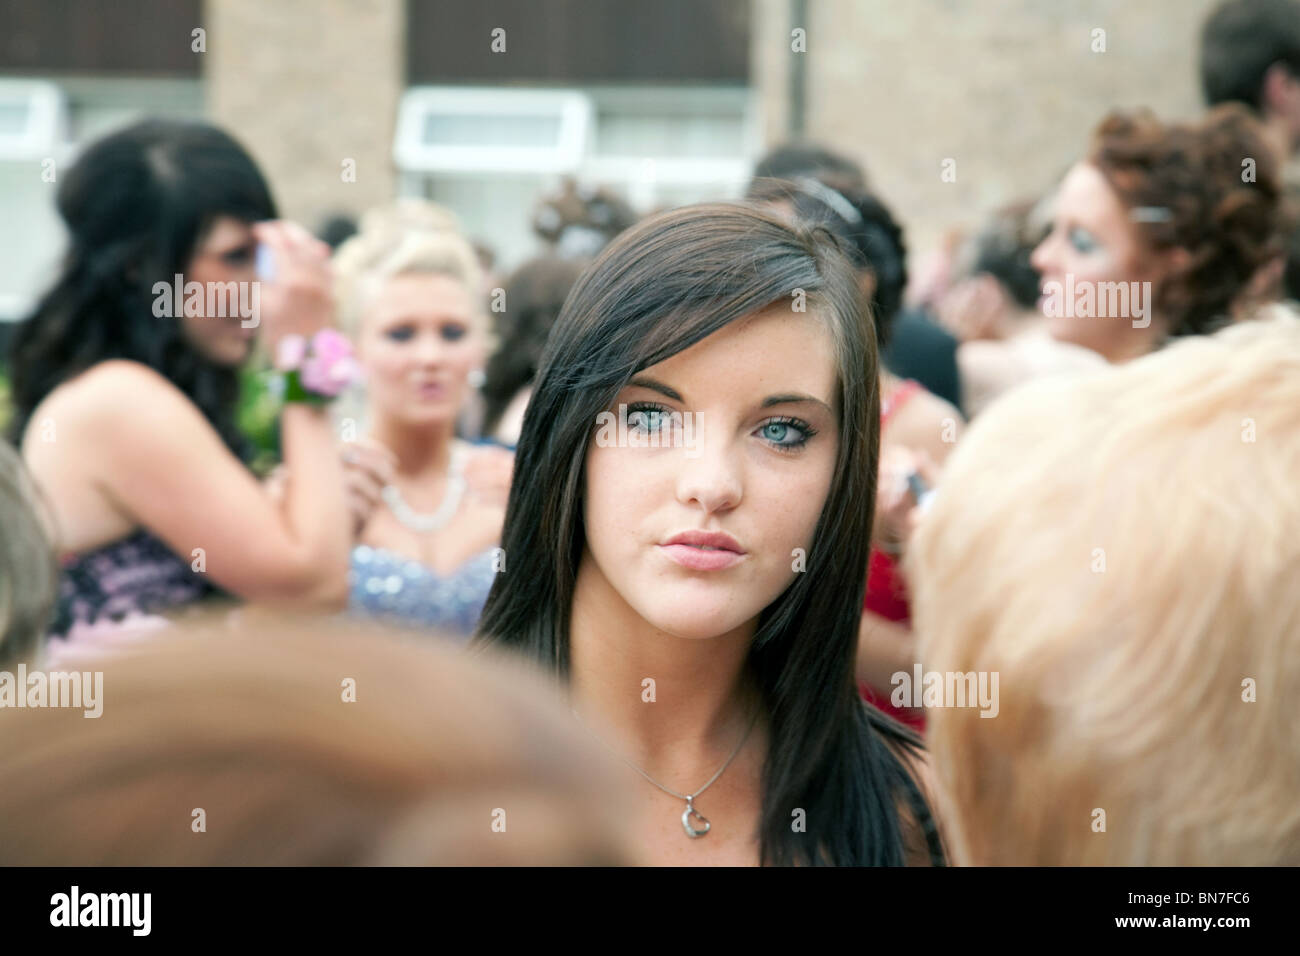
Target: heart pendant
[{"x": 691, "y": 831}]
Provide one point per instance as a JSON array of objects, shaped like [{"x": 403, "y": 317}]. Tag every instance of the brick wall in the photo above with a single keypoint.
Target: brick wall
[
  {"x": 305, "y": 85},
  {"x": 1010, "y": 89}
]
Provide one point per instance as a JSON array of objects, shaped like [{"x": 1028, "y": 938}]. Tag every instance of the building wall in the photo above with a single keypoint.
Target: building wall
[
  {"x": 306, "y": 85},
  {"x": 1009, "y": 89},
  {"x": 576, "y": 42}
]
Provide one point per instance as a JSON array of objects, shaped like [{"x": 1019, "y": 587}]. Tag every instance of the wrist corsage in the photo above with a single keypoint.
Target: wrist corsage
[{"x": 315, "y": 372}]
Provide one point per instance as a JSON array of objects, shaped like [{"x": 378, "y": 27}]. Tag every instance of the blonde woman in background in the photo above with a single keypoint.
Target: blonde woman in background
[
  {"x": 428, "y": 506},
  {"x": 1132, "y": 582}
]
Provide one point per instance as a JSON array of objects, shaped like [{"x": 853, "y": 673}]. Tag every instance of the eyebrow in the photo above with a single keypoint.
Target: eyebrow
[{"x": 793, "y": 398}]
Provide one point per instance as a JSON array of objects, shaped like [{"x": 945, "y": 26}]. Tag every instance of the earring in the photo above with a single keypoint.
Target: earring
[{"x": 477, "y": 378}]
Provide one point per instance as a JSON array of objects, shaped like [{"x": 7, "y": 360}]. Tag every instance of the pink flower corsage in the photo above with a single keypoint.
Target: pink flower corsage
[{"x": 318, "y": 371}]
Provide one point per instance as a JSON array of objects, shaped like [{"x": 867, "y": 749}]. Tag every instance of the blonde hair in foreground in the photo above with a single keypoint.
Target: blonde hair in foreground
[
  {"x": 1124, "y": 550},
  {"x": 440, "y": 759}
]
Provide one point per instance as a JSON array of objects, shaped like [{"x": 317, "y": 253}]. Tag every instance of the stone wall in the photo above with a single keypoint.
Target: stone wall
[
  {"x": 1009, "y": 89},
  {"x": 307, "y": 85}
]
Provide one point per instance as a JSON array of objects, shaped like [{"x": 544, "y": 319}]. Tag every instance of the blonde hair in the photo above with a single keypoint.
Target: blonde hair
[
  {"x": 1132, "y": 579},
  {"x": 308, "y": 742},
  {"x": 410, "y": 236}
]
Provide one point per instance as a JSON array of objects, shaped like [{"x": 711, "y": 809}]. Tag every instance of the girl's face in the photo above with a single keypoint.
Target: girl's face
[
  {"x": 1093, "y": 240},
  {"x": 419, "y": 341},
  {"x": 225, "y": 254},
  {"x": 761, "y": 395}
]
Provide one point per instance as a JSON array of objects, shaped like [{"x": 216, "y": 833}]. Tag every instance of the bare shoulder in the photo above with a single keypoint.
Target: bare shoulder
[
  {"x": 928, "y": 422},
  {"x": 120, "y": 393},
  {"x": 107, "y": 401},
  {"x": 127, "y": 380},
  {"x": 111, "y": 386}
]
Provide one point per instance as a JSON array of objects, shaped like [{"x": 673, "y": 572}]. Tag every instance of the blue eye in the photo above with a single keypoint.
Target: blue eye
[
  {"x": 402, "y": 333},
  {"x": 451, "y": 333},
  {"x": 786, "y": 434},
  {"x": 1082, "y": 241},
  {"x": 783, "y": 433},
  {"x": 648, "y": 417}
]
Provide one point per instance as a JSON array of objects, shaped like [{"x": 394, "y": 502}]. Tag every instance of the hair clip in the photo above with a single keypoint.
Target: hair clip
[
  {"x": 1151, "y": 214},
  {"x": 830, "y": 197}
]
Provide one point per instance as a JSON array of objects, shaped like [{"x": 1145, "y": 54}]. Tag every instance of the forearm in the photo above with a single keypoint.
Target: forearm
[{"x": 315, "y": 505}]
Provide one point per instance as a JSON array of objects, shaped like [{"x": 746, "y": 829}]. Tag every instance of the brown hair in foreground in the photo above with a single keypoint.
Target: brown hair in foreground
[{"x": 440, "y": 759}]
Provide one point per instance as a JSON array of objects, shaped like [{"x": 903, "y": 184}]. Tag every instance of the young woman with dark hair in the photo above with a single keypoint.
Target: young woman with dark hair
[
  {"x": 687, "y": 537},
  {"x": 918, "y": 428},
  {"x": 125, "y": 406}
]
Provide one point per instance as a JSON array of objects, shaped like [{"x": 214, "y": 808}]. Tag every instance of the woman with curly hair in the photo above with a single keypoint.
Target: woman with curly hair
[{"x": 1158, "y": 231}]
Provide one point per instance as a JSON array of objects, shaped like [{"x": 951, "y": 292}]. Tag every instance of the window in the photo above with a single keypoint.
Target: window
[
  {"x": 489, "y": 153},
  {"x": 32, "y": 119}
]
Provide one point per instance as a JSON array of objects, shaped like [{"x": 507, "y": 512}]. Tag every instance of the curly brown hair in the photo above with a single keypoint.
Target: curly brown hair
[{"x": 1191, "y": 180}]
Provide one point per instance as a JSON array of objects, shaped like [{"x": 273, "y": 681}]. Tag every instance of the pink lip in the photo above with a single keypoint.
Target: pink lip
[
  {"x": 689, "y": 556},
  {"x": 707, "y": 539},
  {"x": 431, "y": 390},
  {"x": 688, "y": 550}
]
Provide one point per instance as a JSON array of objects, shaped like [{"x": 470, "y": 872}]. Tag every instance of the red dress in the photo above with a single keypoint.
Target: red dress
[{"x": 886, "y": 590}]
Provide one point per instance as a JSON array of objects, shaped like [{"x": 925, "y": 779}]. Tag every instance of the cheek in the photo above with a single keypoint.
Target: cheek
[
  {"x": 198, "y": 331},
  {"x": 1102, "y": 265},
  {"x": 217, "y": 272},
  {"x": 383, "y": 359},
  {"x": 607, "y": 514},
  {"x": 466, "y": 354},
  {"x": 791, "y": 505},
  {"x": 1132, "y": 265}
]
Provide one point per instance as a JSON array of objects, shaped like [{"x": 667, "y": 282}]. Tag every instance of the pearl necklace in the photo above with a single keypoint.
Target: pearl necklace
[{"x": 429, "y": 523}]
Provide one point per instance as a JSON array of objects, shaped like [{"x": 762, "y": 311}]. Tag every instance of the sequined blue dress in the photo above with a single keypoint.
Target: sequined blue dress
[{"x": 400, "y": 590}]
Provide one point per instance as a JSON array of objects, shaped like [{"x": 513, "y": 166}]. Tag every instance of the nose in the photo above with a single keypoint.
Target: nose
[
  {"x": 710, "y": 477},
  {"x": 429, "y": 349},
  {"x": 1042, "y": 258}
]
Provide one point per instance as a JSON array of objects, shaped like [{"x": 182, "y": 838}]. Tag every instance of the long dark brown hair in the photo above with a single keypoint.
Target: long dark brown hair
[
  {"x": 136, "y": 204},
  {"x": 656, "y": 290}
]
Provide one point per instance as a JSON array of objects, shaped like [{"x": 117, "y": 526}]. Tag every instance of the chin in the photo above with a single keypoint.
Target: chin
[
  {"x": 228, "y": 356},
  {"x": 1063, "y": 329},
  {"x": 695, "y": 621},
  {"x": 429, "y": 415}
]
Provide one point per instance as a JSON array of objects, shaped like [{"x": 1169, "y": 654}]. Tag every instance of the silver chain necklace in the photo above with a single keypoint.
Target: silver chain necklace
[
  {"x": 690, "y": 811},
  {"x": 429, "y": 523}
]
